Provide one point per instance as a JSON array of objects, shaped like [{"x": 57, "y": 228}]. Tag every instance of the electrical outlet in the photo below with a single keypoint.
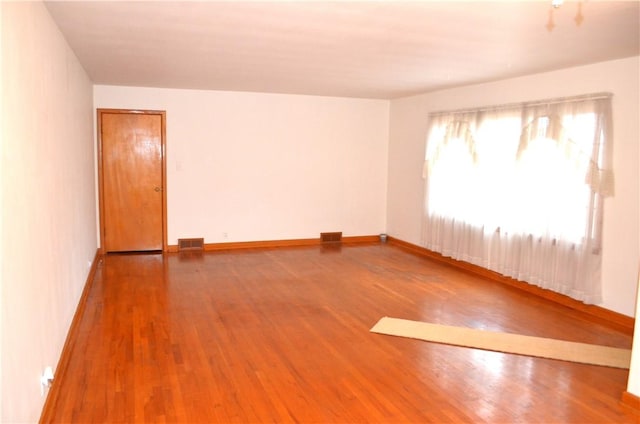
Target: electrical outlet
[{"x": 46, "y": 380}]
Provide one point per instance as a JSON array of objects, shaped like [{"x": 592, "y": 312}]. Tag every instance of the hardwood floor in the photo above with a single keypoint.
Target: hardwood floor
[{"x": 282, "y": 335}]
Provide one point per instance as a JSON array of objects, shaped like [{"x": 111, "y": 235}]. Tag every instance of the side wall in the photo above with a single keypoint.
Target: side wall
[
  {"x": 255, "y": 166},
  {"x": 408, "y": 122},
  {"x": 634, "y": 371},
  {"x": 48, "y": 214}
]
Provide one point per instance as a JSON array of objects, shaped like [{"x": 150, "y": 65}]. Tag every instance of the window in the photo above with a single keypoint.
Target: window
[{"x": 519, "y": 189}]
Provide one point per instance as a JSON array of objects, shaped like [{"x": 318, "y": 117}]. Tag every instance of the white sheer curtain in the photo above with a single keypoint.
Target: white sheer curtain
[{"x": 519, "y": 189}]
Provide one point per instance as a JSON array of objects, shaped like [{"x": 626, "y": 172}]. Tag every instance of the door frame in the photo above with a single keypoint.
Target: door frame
[{"x": 163, "y": 119}]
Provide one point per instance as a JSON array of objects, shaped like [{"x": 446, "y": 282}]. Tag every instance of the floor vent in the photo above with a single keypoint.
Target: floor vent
[
  {"x": 335, "y": 237},
  {"x": 188, "y": 244}
]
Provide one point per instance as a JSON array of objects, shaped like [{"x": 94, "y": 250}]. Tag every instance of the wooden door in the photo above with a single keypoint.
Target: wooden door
[{"x": 131, "y": 171}]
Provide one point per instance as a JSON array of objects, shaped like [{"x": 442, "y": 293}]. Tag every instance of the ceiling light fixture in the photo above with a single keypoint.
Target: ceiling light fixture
[
  {"x": 579, "y": 18},
  {"x": 555, "y": 4},
  {"x": 550, "y": 25}
]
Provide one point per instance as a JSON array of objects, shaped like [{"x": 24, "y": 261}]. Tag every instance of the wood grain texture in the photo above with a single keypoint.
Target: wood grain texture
[
  {"x": 132, "y": 180},
  {"x": 631, "y": 401},
  {"x": 622, "y": 321},
  {"x": 282, "y": 335}
]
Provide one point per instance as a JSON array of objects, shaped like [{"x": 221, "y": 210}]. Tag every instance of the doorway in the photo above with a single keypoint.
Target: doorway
[{"x": 132, "y": 180}]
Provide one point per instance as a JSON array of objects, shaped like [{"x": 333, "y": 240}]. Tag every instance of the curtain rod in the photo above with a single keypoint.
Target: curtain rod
[{"x": 557, "y": 100}]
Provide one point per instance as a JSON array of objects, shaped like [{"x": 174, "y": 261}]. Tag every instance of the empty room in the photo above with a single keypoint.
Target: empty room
[{"x": 310, "y": 211}]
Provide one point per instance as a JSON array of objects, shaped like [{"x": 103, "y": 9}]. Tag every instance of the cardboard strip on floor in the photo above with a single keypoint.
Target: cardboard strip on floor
[{"x": 506, "y": 342}]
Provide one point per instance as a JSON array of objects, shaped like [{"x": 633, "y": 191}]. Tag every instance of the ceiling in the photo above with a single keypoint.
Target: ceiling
[{"x": 371, "y": 49}]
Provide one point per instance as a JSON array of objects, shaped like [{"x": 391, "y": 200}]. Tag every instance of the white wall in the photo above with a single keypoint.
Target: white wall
[
  {"x": 621, "y": 249},
  {"x": 634, "y": 371},
  {"x": 1, "y": 204},
  {"x": 47, "y": 189},
  {"x": 258, "y": 166}
]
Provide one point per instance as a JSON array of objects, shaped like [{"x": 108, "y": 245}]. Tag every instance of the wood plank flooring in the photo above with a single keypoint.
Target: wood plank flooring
[{"x": 282, "y": 335}]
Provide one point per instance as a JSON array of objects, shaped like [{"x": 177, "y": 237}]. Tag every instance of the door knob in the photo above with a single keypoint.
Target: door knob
[{"x": 157, "y": 189}]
